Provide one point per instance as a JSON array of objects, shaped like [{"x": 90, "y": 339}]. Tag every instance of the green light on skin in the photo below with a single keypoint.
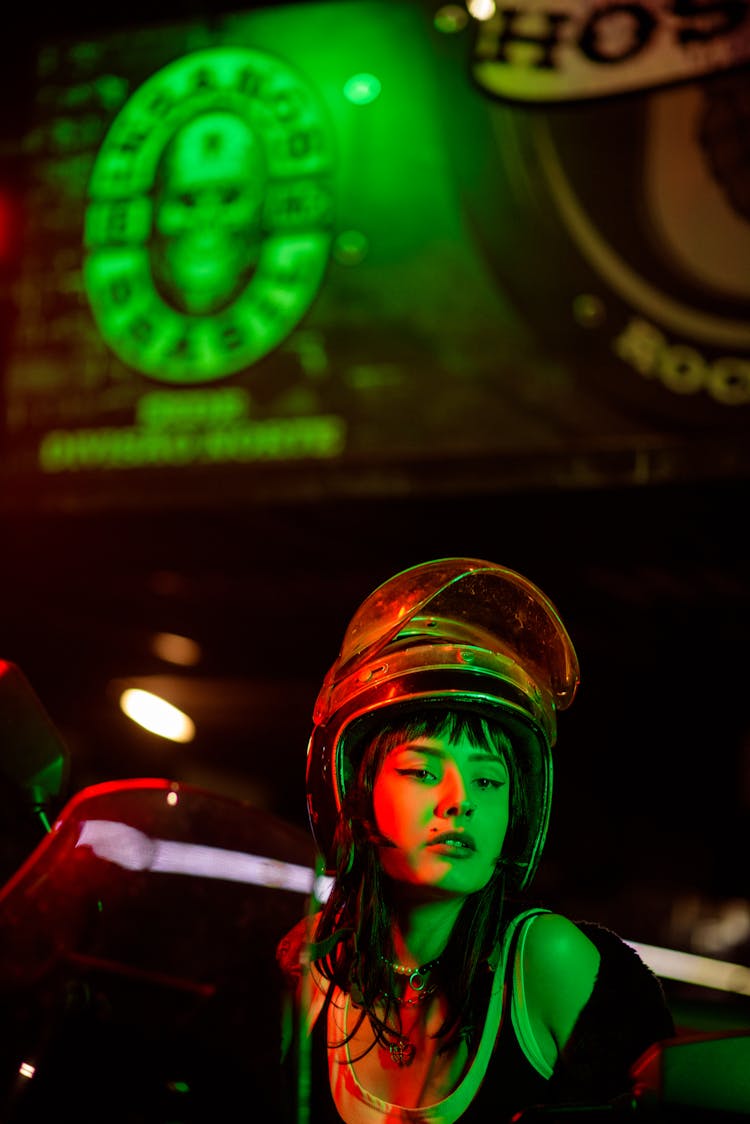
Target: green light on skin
[{"x": 361, "y": 89}]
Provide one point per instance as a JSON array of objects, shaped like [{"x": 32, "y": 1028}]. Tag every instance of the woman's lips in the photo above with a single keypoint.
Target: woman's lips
[{"x": 457, "y": 844}]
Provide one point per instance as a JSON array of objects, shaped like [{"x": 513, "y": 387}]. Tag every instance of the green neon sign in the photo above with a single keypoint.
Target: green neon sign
[
  {"x": 273, "y": 439},
  {"x": 208, "y": 225}
]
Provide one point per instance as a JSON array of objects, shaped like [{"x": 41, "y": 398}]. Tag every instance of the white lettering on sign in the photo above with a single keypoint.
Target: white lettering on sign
[{"x": 563, "y": 50}]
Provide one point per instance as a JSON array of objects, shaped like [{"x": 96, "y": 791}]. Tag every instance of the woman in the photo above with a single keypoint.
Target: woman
[{"x": 422, "y": 988}]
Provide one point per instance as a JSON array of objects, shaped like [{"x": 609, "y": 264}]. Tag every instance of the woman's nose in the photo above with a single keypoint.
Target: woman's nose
[{"x": 455, "y": 801}]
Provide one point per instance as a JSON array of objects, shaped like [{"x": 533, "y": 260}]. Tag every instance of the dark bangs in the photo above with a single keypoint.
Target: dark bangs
[{"x": 433, "y": 722}]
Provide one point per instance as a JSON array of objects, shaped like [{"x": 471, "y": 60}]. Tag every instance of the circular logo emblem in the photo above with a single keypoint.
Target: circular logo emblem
[{"x": 208, "y": 222}]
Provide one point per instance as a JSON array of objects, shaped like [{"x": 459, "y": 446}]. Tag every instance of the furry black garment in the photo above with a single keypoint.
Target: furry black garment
[{"x": 627, "y": 1013}]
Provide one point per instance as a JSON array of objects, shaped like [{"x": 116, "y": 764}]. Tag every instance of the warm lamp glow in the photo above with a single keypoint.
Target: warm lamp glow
[
  {"x": 173, "y": 648},
  {"x": 481, "y": 9},
  {"x": 157, "y": 715}
]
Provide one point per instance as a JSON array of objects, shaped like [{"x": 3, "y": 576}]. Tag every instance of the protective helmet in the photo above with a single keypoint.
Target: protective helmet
[{"x": 458, "y": 633}]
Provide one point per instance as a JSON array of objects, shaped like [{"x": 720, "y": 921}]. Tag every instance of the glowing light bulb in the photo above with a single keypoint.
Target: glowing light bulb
[
  {"x": 157, "y": 715},
  {"x": 482, "y": 9},
  {"x": 361, "y": 89}
]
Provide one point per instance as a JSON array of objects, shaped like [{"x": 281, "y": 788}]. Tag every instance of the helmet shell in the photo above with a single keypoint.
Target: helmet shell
[{"x": 452, "y": 633}]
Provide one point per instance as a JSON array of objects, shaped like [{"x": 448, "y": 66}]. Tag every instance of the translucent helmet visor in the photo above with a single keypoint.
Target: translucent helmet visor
[{"x": 456, "y": 632}]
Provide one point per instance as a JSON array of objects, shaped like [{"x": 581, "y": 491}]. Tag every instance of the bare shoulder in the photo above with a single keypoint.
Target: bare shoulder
[
  {"x": 560, "y": 968},
  {"x": 553, "y": 936},
  {"x": 291, "y": 949}
]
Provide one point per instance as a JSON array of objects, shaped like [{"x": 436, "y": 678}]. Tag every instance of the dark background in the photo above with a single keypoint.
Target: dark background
[
  {"x": 650, "y": 825},
  {"x": 652, "y": 583}
]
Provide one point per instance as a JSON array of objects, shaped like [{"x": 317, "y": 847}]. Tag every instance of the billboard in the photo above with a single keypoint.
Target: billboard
[{"x": 317, "y": 248}]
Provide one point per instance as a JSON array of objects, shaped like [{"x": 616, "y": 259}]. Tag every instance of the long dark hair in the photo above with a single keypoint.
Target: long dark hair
[{"x": 353, "y": 943}]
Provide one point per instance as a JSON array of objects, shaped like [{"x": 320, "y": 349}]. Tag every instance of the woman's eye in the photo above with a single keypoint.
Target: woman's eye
[
  {"x": 418, "y": 774},
  {"x": 490, "y": 782}
]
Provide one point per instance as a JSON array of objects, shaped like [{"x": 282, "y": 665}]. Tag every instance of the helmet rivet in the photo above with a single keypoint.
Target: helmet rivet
[{"x": 371, "y": 672}]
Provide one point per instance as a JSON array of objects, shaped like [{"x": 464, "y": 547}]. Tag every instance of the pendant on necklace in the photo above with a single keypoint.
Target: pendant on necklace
[{"x": 402, "y": 1051}]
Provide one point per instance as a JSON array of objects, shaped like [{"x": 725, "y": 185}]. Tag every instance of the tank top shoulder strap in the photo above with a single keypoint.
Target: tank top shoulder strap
[
  {"x": 514, "y": 931},
  {"x": 513, "y": 962}
]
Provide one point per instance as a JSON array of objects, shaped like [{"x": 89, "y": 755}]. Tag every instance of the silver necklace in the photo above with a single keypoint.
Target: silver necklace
[
  {"x": 417, "y": 976},
  {"x": 412, "y": 1000},
  {"x": 402, "y": 1051}
]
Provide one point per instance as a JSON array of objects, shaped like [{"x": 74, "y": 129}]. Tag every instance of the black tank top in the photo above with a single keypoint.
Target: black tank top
[{"x": 510, "y": 1083}]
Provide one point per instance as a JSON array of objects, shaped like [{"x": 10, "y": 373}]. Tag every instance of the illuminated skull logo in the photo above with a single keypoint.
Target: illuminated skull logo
[
  {"x": 208, "y": 225},
  {"x": 208, "y": 206}
]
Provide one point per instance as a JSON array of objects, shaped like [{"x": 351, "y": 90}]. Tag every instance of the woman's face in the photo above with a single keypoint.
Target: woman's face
[{"x": 444, "y": 805}]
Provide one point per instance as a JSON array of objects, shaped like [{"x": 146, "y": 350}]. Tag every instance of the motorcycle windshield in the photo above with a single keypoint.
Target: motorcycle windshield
[{"x": 140, "y": 936}]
